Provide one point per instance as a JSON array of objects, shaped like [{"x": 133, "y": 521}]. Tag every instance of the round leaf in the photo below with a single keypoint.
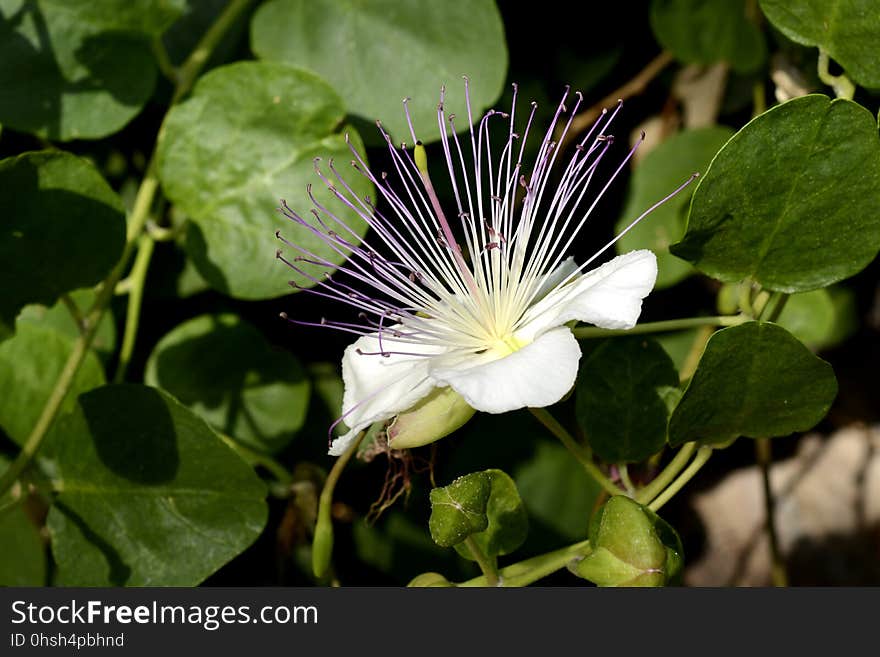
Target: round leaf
[
  {"x": 662, "y": 170},
  {"x": 378, "y": 53},
  {"x": 700, "y": 32},
  {"x": 247, "y": 137},
  {"x": 810, "y": 317},
  {"x": 30, "y": 364},
  {"x": 459, "y": 509},
  {"x": 620, "y": 401},
  {"x": 792, "y": 200},
  {"x": 148, "y": 494},
  {"x": 754, "y": 380},
  {"x": 223, "y": 369},
  {"x": 77, "y": 70},
  {"x": 849, "y": 30},
  {"x": 508, "y": 522},
  {"x": 62, "y": 228},
  {"x": 556, "y": 490}
]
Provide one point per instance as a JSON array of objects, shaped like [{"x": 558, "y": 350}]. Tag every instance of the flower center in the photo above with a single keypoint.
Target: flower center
[{"x": 507, "y": 345}]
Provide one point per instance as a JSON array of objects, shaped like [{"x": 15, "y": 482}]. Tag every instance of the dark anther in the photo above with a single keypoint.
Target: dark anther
[
  {"x": 278, "y": 253},
  {"x": 282, "y": 315},
  {"x": 278, "y": 234}
]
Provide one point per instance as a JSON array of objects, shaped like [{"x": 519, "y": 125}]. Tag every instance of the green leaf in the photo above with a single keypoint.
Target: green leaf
[
  {"x": 678, "y": 345},
  {"x": 24, "y": 556},
  {"x": 792, "y": 200},
  {"x": 662, "y": 170},
  {"x": 849, "y": 30},
  {"x": 30, "y": 364},
  {"x": 148, "y": 495},
  {"x": 459, "y": 509},
  {"x": 77, "y": 70},
  {"x": 148, "y": 17},
  {"x": 556, "y": 490},
  {"x": 246, "y": 137},
  {"x": 59, "y": 318},
  {"x": 631, "y": 546},
  {"x": 378, "y": 53},
  {"x": 508, "y": 521},
  {"x": 620, "y": 398},
  {"x": 810, "y": 317},
  {"x": 754, "y": 380},
  {"x": 700, "y": 32},
  {"x": 62, "y": 228},
  {"x": 222, "y": 368}
]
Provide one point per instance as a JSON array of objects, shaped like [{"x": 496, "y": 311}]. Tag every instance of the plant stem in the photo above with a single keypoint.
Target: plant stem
[
  {"x": 626, "y": 480},
  {"x": 162, "y": 59},
  {"x": 139, "y": 215},
  {"x": 531, "y": 570},
  {"x": 670, "y": 472},
  {"x": 777, "y": 309},
  {"x": 190, "y": 69},
  {"x": 699, "y": 461},
  {"x": 842, "y": 85},
  {"x": 544, "y": 417},
  {"x": 74, "y": 310},
  {"x": 137, "y": 277},
  {"x": 254, "y": 458},
  {"x": 659, "y": 327},
  {"x": 631, "y": 88},
  {"x": 322, "y": 545},
  {"x": 692, "y": 360},
  {"x": 490, "y": 572},
  {"x": 764, "y": 456}
]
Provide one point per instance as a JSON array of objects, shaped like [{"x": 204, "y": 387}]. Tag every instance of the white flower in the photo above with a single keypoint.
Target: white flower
[{"x": 482, "y": 311}]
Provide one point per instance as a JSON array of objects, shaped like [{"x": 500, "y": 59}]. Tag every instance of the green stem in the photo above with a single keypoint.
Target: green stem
[
  {"x": 765, "y": 460},
  {"x": 138, "y": 277},
  {"x": 163, "y": 61},
  {"x": 670, "y": 472},
  {"x": 695, "y": 353},
  {"x": 190, "y": 69},
  {"x": 490, "y": 571},
  {"x": 160, "y": 233},
  {"x": 699, "y": 461},
  {"x": 255, "y": 458},
  {"x": 322, "y": 545},
  {"x": 81, "y": 347},
  {"x": 74, "y": 310},
  {"x": 778, "y": 307},
  {"x": 842, "y": 85},
  {"x": 576, "y": 450},
  {"x": 139, "y": 215},
  {"x": 626, "y": 480},
  {"x": 659, "y": 327},
  {"x": 531, "y": 570}
]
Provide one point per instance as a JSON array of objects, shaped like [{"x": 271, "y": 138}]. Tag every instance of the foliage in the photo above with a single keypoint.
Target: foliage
[{"x": 161, "y": 425}]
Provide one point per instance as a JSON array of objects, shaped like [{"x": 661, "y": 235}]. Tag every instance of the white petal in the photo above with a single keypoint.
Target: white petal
[
  {"x": 379, "y": 387},
  {"x": 537, "y": 375},
  {"x": 609, "y": 296}
]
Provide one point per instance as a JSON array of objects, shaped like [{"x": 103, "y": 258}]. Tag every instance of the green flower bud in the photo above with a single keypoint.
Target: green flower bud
[
  {"x": 430, "y": 580},
  {"x": 632, "y": 546},
  {"x": 322, "y": 544},
  {"x": 434, "y": 417}
]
